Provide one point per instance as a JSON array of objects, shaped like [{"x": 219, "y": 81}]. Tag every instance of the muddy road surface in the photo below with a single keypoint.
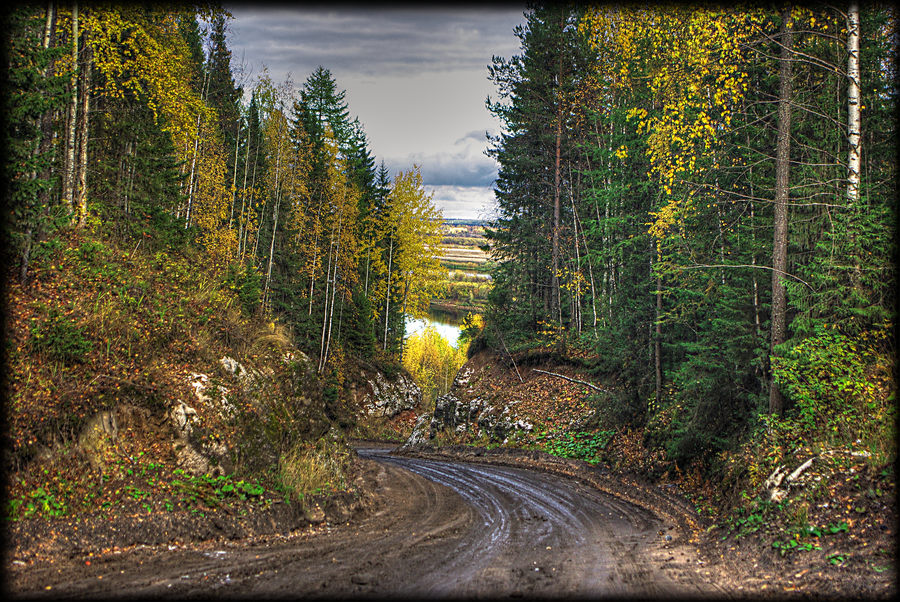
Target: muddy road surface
[{"x": 436, "y": 529}]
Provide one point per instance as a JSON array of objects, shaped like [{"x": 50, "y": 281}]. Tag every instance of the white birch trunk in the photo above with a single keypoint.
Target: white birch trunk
[
  {"x": 853, "y": 104},
  {"x": 68, "y": 188},
  {"x": 81, "y": 194}
]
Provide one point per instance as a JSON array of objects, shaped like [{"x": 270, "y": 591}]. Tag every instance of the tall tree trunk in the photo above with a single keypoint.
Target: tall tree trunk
[
  {"x": 83, "y": 139},
  {"x": 853, "y": 102},
  {"x": 315, "y": 257},
  {"x": 237, "y": 145},
  {"x": 387, "y": 300},
  {"x": 242, "y": 228},
  {"x": 782, "y": 191},
  {"x": 191, "y": 179},
  {"x": 274, "y": 224},
  {"x": 329, "y": 285},
  {"x": 555, "y": 302},
  {"x": 68, "y": 186},
  {"x": 330, "y": 317},
  {"x": 657, "y": 327}
]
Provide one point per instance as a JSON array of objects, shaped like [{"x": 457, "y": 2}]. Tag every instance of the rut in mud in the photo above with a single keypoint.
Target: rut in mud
[{"x": 438, "y": 529}]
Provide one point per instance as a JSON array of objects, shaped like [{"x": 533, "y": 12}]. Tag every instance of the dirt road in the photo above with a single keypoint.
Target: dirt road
[{"x": 436, "y": 529}]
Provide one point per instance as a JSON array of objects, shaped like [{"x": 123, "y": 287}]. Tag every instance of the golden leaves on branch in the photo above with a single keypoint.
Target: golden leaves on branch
[{"x": 683, "y": 70}]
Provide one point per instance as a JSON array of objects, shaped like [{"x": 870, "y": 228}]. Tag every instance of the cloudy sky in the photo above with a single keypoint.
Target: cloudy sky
[{"x": 416, "y": 79}]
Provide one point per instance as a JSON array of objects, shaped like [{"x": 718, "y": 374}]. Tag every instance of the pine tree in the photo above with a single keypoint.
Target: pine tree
[
  {"x": 33, "y": 92},
  {"x": 533, "y": 152}
]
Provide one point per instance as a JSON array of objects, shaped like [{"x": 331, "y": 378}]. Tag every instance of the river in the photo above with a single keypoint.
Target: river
[{"x": 445, "y": 323}]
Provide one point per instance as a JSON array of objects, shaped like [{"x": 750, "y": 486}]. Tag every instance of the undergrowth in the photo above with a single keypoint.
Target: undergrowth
[{"x": 105, "y": 327}]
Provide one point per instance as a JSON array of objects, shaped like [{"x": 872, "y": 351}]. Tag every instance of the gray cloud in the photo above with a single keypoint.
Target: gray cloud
[
  {"x": 464, "y": 165},
  {"x": 444, "y": 170},
  {"x": 373, "y": 41},
  {"x": 465, "y": 202},
  {"x": 415, "y": 77}
]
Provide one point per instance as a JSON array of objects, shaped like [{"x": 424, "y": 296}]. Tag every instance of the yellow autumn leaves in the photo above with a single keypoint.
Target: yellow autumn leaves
[{"x": 687, "y": 63}]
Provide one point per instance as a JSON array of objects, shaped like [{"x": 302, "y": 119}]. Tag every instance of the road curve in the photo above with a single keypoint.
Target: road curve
[
  {"x": 540, "y": 534},
  {"x": 436, "y": 529}
]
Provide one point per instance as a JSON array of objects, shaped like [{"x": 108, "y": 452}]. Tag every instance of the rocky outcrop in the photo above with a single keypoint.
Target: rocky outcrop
[
  {"x": 460, "y": 410},
  {"x": 209, "y": 457},
  {"x": 378, "y": 396},
  {"x": 389, "y": 398}
]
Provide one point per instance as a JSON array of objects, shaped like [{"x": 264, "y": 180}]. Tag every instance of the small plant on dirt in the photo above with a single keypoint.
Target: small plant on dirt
[
  {"x": 581, "y": 445},
  {"x": 801, "y": 540},
  {"x": 213, "y": 491},
  {"x": 42, "y": 501}
]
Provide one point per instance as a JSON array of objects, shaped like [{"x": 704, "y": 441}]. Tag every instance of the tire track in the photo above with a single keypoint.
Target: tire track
[{"x": 437, "y": 528}]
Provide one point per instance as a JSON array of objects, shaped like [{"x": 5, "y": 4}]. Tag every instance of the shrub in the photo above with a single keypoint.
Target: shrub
[
  {"x": 583, "y": 445},
  {"x": 836, "y": 384},
  {"x": 60, "y": 338},
  {"x": 315, "y": 467}
]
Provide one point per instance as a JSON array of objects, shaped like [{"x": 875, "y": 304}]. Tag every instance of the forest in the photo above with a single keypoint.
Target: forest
[
  {"x": 164, "y": 214},
  {"x": 703, "y": 202},
  {"x": 696, "y": 208}
]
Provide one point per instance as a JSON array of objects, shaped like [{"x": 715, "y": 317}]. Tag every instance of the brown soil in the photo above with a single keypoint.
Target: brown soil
[{"x": 526, "y": 524}]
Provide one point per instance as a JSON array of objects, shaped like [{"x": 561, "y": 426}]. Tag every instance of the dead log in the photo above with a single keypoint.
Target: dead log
[{"x": 573, "y": 380}]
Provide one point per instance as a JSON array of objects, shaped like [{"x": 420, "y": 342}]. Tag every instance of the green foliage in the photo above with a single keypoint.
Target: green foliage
[
  {"x": 835, "y": 382},
  {"x": 32, "y": 91},
  {"x": 213, "y": 491},
  {"x": 582, "y": 445},
  {"x": 471, "y": 328},
  {"x": 801, "y": 540},
  {"x": 60, "y": 337},
  {"x": 246, "y": 282},
  {"x": 46, "y": 502},
  {"x": 358, "y": 328}
]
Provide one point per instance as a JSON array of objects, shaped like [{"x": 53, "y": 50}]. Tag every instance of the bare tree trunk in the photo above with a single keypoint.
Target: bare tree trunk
[
  {"x": 190, "y": 195},
  {"x": 853, "y": 104},
  {"x": 576, "y": 305},
  {"x": 83, "y": 139},
  {"x": 657, "y": 330},
  {"x": 274, "y": 225},
  {"x": 237, "y": 145},
  {"x": 312, "y": 265},
  {"x": 328, "y": 287},
  {"x": 555, "y": 302},
  {"x": 337, "y": 253},
  {"x": 387, "y": 300},
  {"x": 241, "y": 225},
  {"x": 68, "y": 187},
  {"x": 782, "y": 191}
]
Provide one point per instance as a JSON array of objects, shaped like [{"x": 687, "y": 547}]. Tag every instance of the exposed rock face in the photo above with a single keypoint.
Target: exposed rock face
[
  {"x": 209, "y": 457},
  {"x": 460, "y": 410},
  {"x": 99, "y": 432},
  {"x": 385, "y": 398}
]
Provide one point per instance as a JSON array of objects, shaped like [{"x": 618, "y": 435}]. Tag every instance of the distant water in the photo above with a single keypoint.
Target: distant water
[{"x": 441, "y": 323}]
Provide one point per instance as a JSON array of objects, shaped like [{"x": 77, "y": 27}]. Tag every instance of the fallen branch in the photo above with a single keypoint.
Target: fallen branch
[{"x": 574, "y": 380}]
